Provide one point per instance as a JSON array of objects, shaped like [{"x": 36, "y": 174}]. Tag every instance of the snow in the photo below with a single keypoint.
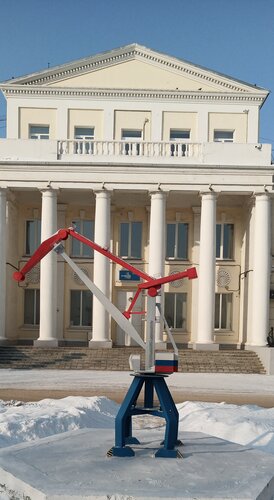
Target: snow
[{"x": 20, "y": 422}]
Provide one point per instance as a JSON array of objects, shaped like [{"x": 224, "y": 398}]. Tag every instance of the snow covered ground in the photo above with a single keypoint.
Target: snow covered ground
[{"x": 25, "y": 422}]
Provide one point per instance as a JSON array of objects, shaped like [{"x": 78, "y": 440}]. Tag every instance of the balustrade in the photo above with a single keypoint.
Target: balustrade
[{"x": 143, "y": 149}]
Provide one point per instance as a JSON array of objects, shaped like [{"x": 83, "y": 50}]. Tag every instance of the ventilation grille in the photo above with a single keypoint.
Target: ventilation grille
[
  {"x": 223, "y": 278},
  {"x": 76, "y": 278}
]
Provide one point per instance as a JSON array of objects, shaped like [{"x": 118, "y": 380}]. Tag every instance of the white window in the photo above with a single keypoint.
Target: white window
[
  {"x": 31, "y": 306},
  {"x": 132, "y": 140},
  {"x": 176, "y": 310},
  {"x": 33, "y": 235},
  {"x": 39, "y": 131},
  {"x": 223, "y": 311},
  {"x": 86, "y": 228},
  {"x": 131, "y": 240},
  {"x": 177, "y": 240},
  {"x": 223, "y": 135},
  {"x": 80, "y": 308},
  {"x": 224, "y": 241},
  {"x": 179, "y": 137},
  {"x": 84, "y": 137}
]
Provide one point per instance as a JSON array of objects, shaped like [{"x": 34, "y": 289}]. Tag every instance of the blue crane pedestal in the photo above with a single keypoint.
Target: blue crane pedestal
[{"x": 129, "y": 408}]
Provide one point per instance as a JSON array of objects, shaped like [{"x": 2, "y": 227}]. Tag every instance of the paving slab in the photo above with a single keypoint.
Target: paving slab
[{"x": 74, "y": 466}]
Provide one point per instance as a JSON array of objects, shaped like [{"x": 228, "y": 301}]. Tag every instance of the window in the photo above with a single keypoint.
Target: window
[
  {"x": 31, "y": 307},
  {"x": 223, "y": 311},
  {"x": 223, "y": 135},
  {"x": 33, "y": 235},
  {"x": 176, "y": 310},
  {"x": 39, "y": 131},
  {"x": 132, "y": 140},
  {"x": 80, "y": 308},
  {"x": 177, "y": 240},
  {"x": 86, "y": 228},
  {"x": 180, "y": 137},
  {"x": 131, "y": 240},
  {"x": 224, "y": 241},
  {"x": 85, "y": 138}
]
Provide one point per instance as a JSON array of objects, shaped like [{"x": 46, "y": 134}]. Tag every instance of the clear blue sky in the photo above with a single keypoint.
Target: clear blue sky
[{"x": 235, "y": 37}]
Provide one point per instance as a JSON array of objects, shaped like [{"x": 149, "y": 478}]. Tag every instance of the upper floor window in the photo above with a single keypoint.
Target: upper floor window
[
  {"x": 179, "y": 136},
  {"x": 131, "y": 240},
  {"x": 223, "y": 135},
  {"x": 177, "y": 240},
  {"x": 80, "y": 308},
  {"x": 132, "y": 140},
  {"x": 33, "y": 235},
  {"x": 224, "y": 241},
  {"x": 176, "y": 310},
  {"x": 84, "y": 136},
  {"x": 39, "y": 131},
  {"x": 86, "y": 228},
  {"x": 31, "y": 306}
]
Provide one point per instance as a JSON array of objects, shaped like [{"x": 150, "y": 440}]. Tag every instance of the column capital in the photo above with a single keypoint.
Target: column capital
[
  {"x": 208, "y": 195},
  {"x": 157, "y": 194},
  {"x": 102, "y": 193},
  {"x": 261, "y": 196},
  {"x": 49, "y": 191},
  {"x": 196, "y": 210}
]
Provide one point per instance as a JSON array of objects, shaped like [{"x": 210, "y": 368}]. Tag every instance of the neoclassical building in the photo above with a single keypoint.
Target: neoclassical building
[{"x": 157, "y": 159}]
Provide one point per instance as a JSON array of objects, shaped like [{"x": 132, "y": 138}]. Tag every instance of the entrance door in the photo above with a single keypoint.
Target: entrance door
[{"x": 124, "y": 297}]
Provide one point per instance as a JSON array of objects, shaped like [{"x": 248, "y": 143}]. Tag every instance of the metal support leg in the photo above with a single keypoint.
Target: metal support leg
[{"x": 167, "y": 410}]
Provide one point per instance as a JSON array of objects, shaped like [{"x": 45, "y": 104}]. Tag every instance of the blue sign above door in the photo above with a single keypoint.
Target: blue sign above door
[{"x": 125, "y": 275}]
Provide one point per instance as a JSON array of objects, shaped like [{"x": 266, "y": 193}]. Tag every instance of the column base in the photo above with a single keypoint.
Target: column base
[
  {"x": 161, "y": 345},
  {"x": 100, "y": 344},
  {"x": 45, "y": 343},
  {"x": 210, "y": 346}
]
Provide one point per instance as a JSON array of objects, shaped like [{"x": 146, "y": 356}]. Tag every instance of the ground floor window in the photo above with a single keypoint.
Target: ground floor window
[
  {"x": 80, "y": 308},
  {"x": 223, "y": 311},
  {"x": 176, "y": 310},
  {"x": 31, "y": 307}
]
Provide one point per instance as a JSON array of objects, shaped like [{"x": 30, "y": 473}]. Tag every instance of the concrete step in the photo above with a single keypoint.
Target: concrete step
[{"x": 83, "y": 358}]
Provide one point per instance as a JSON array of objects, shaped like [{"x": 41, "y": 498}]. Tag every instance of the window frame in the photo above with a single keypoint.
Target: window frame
[
  {"x": 82, "y": 246},
  {"x": 184, "y": 296},
  {"x": 228, "y": 327},
  {"x": 223, "y": 139},
  {"x": 39, "y": 135},
  {"x": 222, "y": 241},
  {"x": 131, "y": 144},
  {"x": 176, "y": 242},
  {"x": 81, "y": 325},
  {"x": 37, "y": 235},
  {"x": 35, "y": 306},
  {"x": 130, "y": 239}
]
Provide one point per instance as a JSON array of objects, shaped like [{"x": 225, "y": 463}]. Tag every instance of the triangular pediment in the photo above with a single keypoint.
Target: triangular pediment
[{"x": 135, "y": 67}]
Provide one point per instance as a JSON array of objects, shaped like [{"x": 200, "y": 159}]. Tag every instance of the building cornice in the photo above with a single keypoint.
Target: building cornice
[{"x": 142, "y": 94}]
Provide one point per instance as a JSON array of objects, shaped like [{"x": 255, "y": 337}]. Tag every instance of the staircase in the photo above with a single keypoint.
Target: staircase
[{"x": 83, "y": 358}]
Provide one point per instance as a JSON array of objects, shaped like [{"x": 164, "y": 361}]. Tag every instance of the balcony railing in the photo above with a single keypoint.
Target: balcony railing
[{"x": 132, "y": 148}]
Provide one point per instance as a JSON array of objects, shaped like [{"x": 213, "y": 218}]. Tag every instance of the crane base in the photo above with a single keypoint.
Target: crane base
[{"x": 167, "y": 410}]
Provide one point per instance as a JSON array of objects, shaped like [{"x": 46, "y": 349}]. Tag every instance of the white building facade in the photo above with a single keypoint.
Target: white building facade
[{"x": 156, "y": 159}]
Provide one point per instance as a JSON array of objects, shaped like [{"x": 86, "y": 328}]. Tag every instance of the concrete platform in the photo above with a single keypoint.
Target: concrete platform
[{"x": 74, "y": 466}]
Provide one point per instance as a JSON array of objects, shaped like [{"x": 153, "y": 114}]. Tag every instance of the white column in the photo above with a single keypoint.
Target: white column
[
  {"x": 261, "y": 270},
  {"x": 157, "y": 233},
  {"x": 61, "y": 222},
  {"x": 48, "y": 281},
  {"x": 101, "y": 277},
  {"x": 206, "y": 277},
  {"x": 195, "y": 260},
  {"x": 3, "y": 233}
]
